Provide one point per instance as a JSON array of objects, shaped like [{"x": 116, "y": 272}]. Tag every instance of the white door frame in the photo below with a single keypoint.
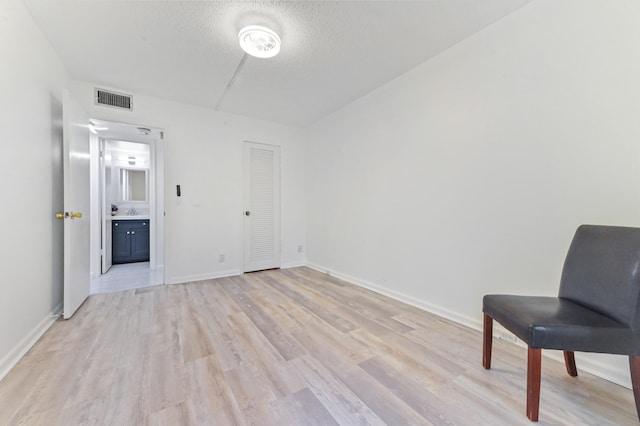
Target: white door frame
[
  {"x": 156, "y": 203},
  {"x": 103, "y": 246},
  {"x": 156, "y": 209}
]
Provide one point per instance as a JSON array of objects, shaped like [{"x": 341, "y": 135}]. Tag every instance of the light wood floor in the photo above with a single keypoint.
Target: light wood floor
[{"x": 289, "y": 347}]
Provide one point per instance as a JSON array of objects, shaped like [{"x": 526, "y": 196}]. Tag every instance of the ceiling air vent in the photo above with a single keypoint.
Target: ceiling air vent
[{"x": 113, "y": 99}]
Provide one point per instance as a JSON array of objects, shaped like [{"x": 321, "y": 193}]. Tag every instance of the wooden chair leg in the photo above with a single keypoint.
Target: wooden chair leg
[
  {"x": 634, "y": 366},
  {"x": 487, "y": 340},
  {"x": 534, "y": 365},
  {"x": 570, "y": 363}
]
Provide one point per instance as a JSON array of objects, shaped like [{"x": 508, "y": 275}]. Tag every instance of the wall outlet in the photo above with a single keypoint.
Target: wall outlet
[
  {"x": 300, "y": 249},
  {"x": 507, "y": 337},
  {"x": 222, "y": 258}
]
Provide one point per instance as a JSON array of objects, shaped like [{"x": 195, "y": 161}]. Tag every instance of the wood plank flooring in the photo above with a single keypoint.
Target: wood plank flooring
[{"x": 283, "y": 347}]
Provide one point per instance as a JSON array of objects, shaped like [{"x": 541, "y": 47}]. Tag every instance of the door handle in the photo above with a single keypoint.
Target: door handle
[
  {"x": 72, "y": 215},
  {"x": 247, "y": 213}
]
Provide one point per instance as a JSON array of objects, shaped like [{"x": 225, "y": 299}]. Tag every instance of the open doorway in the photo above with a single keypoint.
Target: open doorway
[{"x": 127, "y": 226}]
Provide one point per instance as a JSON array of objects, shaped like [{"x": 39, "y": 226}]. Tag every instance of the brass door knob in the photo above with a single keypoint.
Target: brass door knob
[
  {"x": 75, "y": 215},
  {"x": 60, "y": 215}
]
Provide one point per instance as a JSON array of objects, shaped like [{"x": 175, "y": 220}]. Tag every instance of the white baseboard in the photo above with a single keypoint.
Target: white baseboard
[
  {"x": 618, "y": 376},
  {"x": 11, "y": 359},
  {"x": 410, "y": 300},
  {"x": 600, "y": 369},
  {"x": 202, "y": 277},
  {"x": 221, "y": 274},
  {"x": 293, "y": 265}
]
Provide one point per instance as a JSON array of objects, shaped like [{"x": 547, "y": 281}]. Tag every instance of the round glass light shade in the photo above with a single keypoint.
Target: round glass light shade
[{"x": 259, "y": 41}]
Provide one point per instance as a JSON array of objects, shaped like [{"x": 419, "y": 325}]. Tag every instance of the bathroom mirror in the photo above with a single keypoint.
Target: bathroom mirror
[{"x": 132, "y": 185}]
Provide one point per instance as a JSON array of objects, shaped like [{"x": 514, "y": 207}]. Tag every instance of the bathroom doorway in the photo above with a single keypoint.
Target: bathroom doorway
[{"x": 127, "y": 206}]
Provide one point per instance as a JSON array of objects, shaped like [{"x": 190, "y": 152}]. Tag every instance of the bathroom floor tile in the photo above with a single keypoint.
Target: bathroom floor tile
[{"x": 124, "y": 277}]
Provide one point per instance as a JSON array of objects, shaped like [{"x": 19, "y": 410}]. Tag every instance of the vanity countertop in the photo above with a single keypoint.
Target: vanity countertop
[{"x": 126, "y": 217}]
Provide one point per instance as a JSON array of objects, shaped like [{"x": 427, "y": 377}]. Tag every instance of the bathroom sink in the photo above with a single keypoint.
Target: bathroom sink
[{"x": 128, "y": 217}]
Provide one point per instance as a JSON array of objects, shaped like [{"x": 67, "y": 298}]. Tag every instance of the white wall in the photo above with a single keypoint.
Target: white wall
[
  {"x": 31, "y": 83},
  {"x": 469, "y": 174},
  {"x": 203, "y": 154}
]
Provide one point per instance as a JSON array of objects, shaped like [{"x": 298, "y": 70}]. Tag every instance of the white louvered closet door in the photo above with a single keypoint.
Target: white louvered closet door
[{"x": 261, "y": 207}]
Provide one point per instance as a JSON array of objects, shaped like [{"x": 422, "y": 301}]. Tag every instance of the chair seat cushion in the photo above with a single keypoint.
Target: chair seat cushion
[{"x": 555, "y": 323}]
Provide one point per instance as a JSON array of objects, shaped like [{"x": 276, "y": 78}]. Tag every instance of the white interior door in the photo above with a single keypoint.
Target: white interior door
[
  {"x": 261, "y": 207},
  {"x": 76, "y": 205},
  {"x": 105, "y": 210}
]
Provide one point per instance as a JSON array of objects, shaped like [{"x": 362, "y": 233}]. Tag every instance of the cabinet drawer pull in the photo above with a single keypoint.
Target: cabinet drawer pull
[
  {"x": 133, "y": 232},
  {"x": 128, "y": 232},
  {"x": 115, "y": 224}
]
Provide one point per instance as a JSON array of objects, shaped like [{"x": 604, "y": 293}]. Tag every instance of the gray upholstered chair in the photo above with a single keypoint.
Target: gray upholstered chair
[{"x": 597, "y": 308}]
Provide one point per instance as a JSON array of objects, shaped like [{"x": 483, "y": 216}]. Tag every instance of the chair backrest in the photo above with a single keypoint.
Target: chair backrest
[{"x": 602, "y": 272}]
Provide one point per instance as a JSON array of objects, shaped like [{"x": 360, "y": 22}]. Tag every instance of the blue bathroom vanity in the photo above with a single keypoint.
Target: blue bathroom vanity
[{"x": 130, "y": 240}]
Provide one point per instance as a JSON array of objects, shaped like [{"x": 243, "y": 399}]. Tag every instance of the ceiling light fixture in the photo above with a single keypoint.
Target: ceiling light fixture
[{"x": 259, "y": 41}]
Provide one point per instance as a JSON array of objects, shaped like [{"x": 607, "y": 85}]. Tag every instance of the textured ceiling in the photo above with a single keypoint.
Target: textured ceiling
[{"x": 187, "y": 51}]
